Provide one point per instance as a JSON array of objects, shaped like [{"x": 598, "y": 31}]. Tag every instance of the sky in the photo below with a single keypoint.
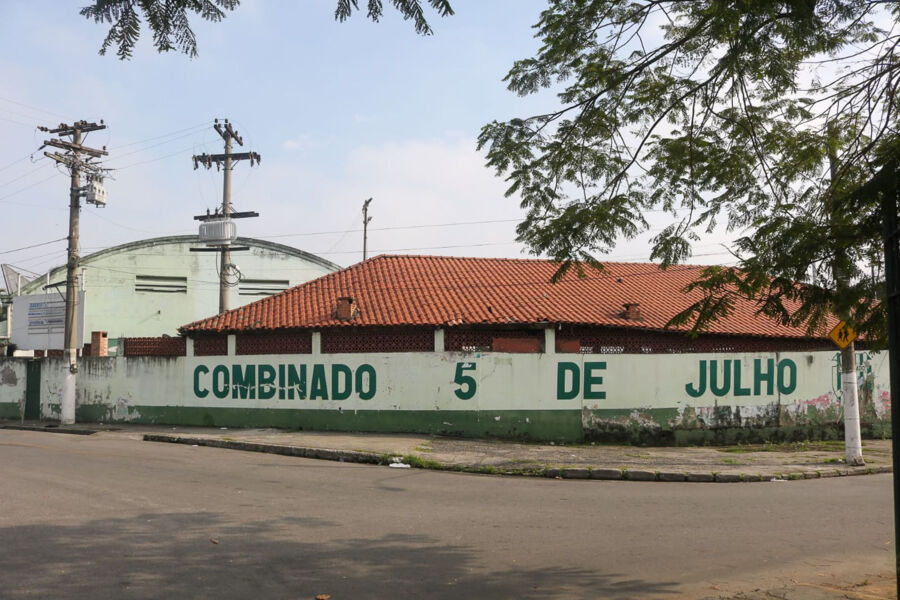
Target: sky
[{"x": 339, "y": 112}]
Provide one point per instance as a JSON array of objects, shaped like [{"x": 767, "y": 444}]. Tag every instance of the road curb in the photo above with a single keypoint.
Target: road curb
[
  {"x": 299, "y": 451},
  {"x": 607, "y": 474},
  {"x": 70, "y": 431}
]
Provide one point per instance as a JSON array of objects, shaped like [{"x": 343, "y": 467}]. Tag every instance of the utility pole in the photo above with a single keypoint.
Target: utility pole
[
  {"x": 849, "y": 390},
  {"x": 73, "y": 160},
  {"x": 366, "y": 220},
  {"x": 227, "y": 159}
]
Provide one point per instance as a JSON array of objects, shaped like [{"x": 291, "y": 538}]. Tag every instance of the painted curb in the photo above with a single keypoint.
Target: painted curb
[{"x": 603, "y": 474}]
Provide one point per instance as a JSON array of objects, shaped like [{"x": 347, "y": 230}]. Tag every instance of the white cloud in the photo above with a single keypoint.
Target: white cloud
[
  {"x": 301, "y": 143},
  {"x": 412, "y": 183}
]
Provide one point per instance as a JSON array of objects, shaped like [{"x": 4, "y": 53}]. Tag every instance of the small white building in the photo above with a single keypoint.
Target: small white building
[{"x": 151, "y": 287}]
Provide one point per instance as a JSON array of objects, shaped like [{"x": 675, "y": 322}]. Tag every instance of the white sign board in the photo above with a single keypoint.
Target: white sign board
[{"x": 39, "y": 321}]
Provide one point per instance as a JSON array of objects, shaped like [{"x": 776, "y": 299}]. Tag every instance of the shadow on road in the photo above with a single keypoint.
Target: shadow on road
[{"x": 197, "y": 555}]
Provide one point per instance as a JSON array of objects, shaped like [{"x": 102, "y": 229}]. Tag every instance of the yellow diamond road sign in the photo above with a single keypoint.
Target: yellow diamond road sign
[{"x": 842, "y": 335}]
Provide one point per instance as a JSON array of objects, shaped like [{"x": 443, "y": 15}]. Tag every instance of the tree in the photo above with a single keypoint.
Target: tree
[
  {"x": 762, "y": 114},
  {"x": 169, "y": 19}
]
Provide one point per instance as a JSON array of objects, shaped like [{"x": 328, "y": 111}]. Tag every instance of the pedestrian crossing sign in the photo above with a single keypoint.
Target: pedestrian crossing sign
[{"x": 842, "y": 335}]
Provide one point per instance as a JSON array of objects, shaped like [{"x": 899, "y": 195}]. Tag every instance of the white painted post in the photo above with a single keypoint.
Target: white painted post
[
  {"x": 550, "y": 341},
  {"x": 852, "y": 436},
  {"x": 67, "y": 399},
  {"x": 232, "y": 345},
  {"x": 189, "y": 346},
  {"x": 316, "y": 343},
  {"x": 438, "y": 340}
]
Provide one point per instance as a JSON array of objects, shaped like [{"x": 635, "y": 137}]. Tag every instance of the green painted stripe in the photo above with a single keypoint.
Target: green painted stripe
[
  {"x": 546, "y": 425},
  {"x": 9, "y": 410}
]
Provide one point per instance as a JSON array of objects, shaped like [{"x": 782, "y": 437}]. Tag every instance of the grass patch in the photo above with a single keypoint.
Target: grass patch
[
  {"x": 422, "y": 463},
  {"x": 814, "y": 446},
  {"x": 732, "y": 461},
  {"x": 386, "y": 458}
]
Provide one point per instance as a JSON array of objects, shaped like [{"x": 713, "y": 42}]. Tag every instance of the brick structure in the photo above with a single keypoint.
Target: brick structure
[{"x": 163, "y": 346}]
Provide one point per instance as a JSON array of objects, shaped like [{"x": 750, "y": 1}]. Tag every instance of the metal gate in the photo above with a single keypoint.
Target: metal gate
[{"x": 33, "y": 390}]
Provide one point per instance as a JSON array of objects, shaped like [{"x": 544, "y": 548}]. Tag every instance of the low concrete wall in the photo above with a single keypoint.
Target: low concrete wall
[
  {"x": 690, "y": 398},
  {"x": 12, "y": 388}
]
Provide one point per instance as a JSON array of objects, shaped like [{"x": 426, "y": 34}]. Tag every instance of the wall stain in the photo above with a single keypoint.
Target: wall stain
[{"x": 8, "y": 376}]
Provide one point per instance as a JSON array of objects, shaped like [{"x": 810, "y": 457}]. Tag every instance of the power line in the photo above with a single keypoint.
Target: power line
[
  {"x": 5, "y": 183},
  {"x": 33, "y": 108},
  {"x": 33, "y": 246},
  {"x": 30, "y": 125},
  {"x": 97, "y": 214},
  {"x": 158, "y": 137},
  {"x": 139, "y": 150},
  {"x": 424, "y": 248},
  {"x": 18, "y": 268},
  {"x": 144, "y": 162},
  {"x": 17, "y": 161},
  {"x": 28, "y": 187},
  {"x": 399, "y": 227}
]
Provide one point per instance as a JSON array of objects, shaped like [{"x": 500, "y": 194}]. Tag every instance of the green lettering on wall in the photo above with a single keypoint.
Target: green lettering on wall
[
  {"x": 738, "y": 390},
  {"x": 337, "y": 393},
  {"x": 696, "y": 392},
  {"x": 467, "y": 384},
  {"x": 590, "y": 380},
  {"x": 365, "y": 382},
  {"x": 562, "y": 369},
  {"x": 787, "y": 382},
  {"x": 243, "y": 382},
  {"x": 714, "y": 378},
  {"x": 759, "y": 376},
  {"x": 319, "y": 386},
  {"x": 221, "y": 381},
  {"x": 296, "y": 382},
  {"x": 198, "y": 391},
  {"x": 281, "y": 382},
  {"x": 266, "y": 381}
]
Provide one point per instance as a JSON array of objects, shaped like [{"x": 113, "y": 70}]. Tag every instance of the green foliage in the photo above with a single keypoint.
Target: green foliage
[
  {"x": 410, "y": 9},
  {"x": 763, "y": 115},
  {"x": 169, "y": 23},
  {"x": 167, "y": 19}
]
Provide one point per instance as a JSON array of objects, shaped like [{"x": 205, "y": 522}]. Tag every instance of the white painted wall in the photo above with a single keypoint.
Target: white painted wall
[{"x": 436, "y": 381}]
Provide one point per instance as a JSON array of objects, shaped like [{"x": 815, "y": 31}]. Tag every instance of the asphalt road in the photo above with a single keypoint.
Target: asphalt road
[{"x": 103, "y": 517}]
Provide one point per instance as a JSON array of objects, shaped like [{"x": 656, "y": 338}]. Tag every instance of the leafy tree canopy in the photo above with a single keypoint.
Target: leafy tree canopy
[
  {"x": 763, "y": 115},
  {"x": 169, "y": 23}
]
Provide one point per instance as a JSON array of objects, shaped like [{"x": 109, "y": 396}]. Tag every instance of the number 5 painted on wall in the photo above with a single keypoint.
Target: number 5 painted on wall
[{"x": 466, "y": 382}]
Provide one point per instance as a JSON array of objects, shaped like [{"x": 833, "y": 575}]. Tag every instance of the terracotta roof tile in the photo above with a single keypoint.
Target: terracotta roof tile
[{"x": 438, "y": 290}]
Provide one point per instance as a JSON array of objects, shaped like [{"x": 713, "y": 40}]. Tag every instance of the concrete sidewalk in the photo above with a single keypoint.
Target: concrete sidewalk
[{"x": 728, "y": 464}]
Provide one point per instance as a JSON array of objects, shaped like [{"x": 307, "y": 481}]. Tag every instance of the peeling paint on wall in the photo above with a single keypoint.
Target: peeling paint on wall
[{"x": 8, "y": 376}]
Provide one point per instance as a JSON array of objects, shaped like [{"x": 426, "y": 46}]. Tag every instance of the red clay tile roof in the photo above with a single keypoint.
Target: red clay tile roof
[{"x": 447, "y": 291}]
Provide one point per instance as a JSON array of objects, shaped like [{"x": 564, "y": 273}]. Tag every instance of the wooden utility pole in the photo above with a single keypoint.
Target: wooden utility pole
[
  {"x": 227, "y": 159},
  {"x": 366, "y": 220},
  {"x": 73, "y": 160}
]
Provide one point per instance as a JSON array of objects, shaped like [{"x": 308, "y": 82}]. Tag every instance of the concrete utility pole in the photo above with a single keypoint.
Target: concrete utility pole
[
  {"x": 849, "y": 391},
  {"x": 228, "y": 134},
  {"x": 366, "y": 220},
  {"x": 72, "y": 159}
]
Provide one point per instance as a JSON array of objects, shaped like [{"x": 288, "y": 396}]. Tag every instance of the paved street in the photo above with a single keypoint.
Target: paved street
[{"x": 94, "y": 516}]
